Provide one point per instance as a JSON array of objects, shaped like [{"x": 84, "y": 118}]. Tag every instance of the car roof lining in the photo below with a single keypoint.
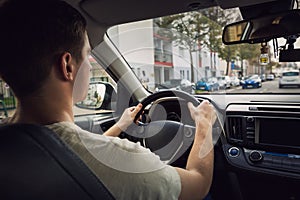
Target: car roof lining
[{"x": 266, "y": 8}]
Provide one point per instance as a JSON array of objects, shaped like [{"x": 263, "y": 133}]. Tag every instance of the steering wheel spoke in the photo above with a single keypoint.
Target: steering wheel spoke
[
  {"x": 168, "y": 139},
  {"x": 175, "y": 149}
]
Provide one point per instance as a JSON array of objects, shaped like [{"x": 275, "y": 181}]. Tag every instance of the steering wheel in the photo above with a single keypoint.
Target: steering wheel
[{"x": 168, "y": 139}]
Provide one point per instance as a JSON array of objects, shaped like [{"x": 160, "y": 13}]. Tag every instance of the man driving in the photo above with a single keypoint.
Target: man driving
[{"x": 51, "y": 73}]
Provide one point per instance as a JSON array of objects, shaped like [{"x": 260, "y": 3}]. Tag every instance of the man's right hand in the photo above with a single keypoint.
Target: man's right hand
[
  {"x": 196, "y": 178},
  {"x": 204, "y": 114}
]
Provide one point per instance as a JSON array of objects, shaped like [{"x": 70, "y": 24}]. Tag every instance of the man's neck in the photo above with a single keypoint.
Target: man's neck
[{"x": 43, "y": 111}]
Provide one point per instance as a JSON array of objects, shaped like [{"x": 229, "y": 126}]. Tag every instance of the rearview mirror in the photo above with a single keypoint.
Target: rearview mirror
[{"x": 263, "y": 29}]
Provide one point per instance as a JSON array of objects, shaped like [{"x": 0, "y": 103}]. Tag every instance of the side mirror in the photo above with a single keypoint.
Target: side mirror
[
  {"x": 101, "y": 95},
  {"x": 263, "y": 29}
]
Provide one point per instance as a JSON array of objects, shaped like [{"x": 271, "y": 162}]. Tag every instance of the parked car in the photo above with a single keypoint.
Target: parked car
[
  {"x": 222, "y": 83},
  {"x": 263, "y": 77},
  {"x": 289, "y": 78},
  {"x": 235, "y": 81},
  {"x": 242, "y": 80},
  {"x": 211, "y": 84},
  {"x": 253, "y": 81},
  {"x": 176, "y": 84},
  {"x": 227, "y": 81},
  {"x": 270, "y": 77}
]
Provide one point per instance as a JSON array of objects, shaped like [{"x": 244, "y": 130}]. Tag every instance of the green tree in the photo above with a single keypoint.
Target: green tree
[
  {"x": 272, "y": 64},
  {"x": 228, "y": 53},
  {"x": 195, "y": 30},
  {"x": 186, "y": 31},
  {"x": 216, "y": 19},
  {"x": 248, "y": 52}
]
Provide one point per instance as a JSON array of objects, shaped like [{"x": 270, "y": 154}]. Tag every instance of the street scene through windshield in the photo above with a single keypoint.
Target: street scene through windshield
[
  {"x": 189, "y": 47},
  {"x": 185, "y": 52}
]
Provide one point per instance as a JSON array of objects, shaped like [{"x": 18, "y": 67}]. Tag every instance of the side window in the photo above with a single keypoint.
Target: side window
[
  {"x": 8, "y": 101},
  {"x": 101, "y": 94}
]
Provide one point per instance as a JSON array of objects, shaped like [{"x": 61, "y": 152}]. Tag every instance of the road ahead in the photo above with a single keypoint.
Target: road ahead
[{"x": 267, "y": 87}]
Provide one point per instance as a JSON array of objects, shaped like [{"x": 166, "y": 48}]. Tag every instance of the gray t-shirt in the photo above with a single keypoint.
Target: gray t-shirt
[{"x": 127, "y": 169}]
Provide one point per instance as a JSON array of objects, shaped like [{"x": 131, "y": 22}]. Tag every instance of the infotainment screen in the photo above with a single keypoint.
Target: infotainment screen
[{"x": 279, "y": 131}]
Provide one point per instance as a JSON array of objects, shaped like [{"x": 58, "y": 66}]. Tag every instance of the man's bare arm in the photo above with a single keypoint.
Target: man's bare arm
[
  {"x": 125, "y": 120},
  {"x": 197, "y": 177}
]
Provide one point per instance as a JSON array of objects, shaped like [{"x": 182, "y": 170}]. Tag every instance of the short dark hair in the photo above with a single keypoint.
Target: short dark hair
[{"x": 33, "y": 36}]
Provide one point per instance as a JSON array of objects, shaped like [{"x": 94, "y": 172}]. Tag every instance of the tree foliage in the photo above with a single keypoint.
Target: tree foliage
[
  {"x": 228, "y": 53},
  {"x": 195, "y": 30},
  {"x": 248, "y": 52},
  {"x": 186, "y": 30}
]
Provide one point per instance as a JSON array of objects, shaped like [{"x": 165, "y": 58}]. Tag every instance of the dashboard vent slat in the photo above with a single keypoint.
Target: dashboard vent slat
[
  {"x": 234, "y": 128},
  {"x": 278, "y": 109}
]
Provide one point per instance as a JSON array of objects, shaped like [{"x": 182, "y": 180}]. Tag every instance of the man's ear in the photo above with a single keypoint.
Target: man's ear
[{"x": 67, "y": 67}]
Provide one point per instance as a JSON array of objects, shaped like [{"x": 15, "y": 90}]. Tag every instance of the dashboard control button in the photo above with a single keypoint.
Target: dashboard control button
[
  {"x": 250, "y": 119},
  {"x": 255, "y": 156},
  {"x": 234, "y": 151},
  {"x": 252, "y": 108},
  {"x": 188, "y": 132}
]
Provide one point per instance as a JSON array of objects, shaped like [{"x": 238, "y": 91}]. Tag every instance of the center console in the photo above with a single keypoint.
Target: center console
[{"x": 263, "y": 137}]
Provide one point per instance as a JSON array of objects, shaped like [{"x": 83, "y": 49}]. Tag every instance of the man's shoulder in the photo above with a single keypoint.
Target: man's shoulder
[
  {"x": 112, "y": 151},
  {"x": 62, "y": 125},
  {"x": 128, "y": 162},
  {"x": 71, "y": 130}
]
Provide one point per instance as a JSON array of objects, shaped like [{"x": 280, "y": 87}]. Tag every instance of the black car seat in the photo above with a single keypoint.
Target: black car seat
[{"x": 36, "y": 164}]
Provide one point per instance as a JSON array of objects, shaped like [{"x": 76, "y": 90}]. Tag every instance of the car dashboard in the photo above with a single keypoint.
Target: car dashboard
[
  {"x": 256, "y": 142},
  {"x": 258, "y": 134}
]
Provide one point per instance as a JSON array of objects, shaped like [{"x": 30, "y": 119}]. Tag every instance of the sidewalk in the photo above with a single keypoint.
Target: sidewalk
[{"x": 11, "y": 112}]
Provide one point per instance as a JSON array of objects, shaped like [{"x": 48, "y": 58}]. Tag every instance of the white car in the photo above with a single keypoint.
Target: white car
[
  {"x": 227, "y": 81},
  {"x": 270, "y": 77},
  {"x": 176, "y": 84},
  {"x": 289, "y": 78},
  {"x": 235, "y": 81},
  {"x": 222, "y": 83}
]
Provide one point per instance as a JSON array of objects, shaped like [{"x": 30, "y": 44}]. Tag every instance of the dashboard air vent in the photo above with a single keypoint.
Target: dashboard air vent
[{"x": 235, "y": 128}]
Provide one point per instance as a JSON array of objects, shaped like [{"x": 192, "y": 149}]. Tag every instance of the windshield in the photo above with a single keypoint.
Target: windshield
[
  {"x": 290, "y": 74},
  {"x": 253, "y": 77},
  {"x": 188, "y": 46}
]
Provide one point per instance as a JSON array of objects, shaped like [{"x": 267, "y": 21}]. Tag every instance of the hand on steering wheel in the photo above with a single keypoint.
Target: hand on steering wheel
[{"x": 168, "y": 139}]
